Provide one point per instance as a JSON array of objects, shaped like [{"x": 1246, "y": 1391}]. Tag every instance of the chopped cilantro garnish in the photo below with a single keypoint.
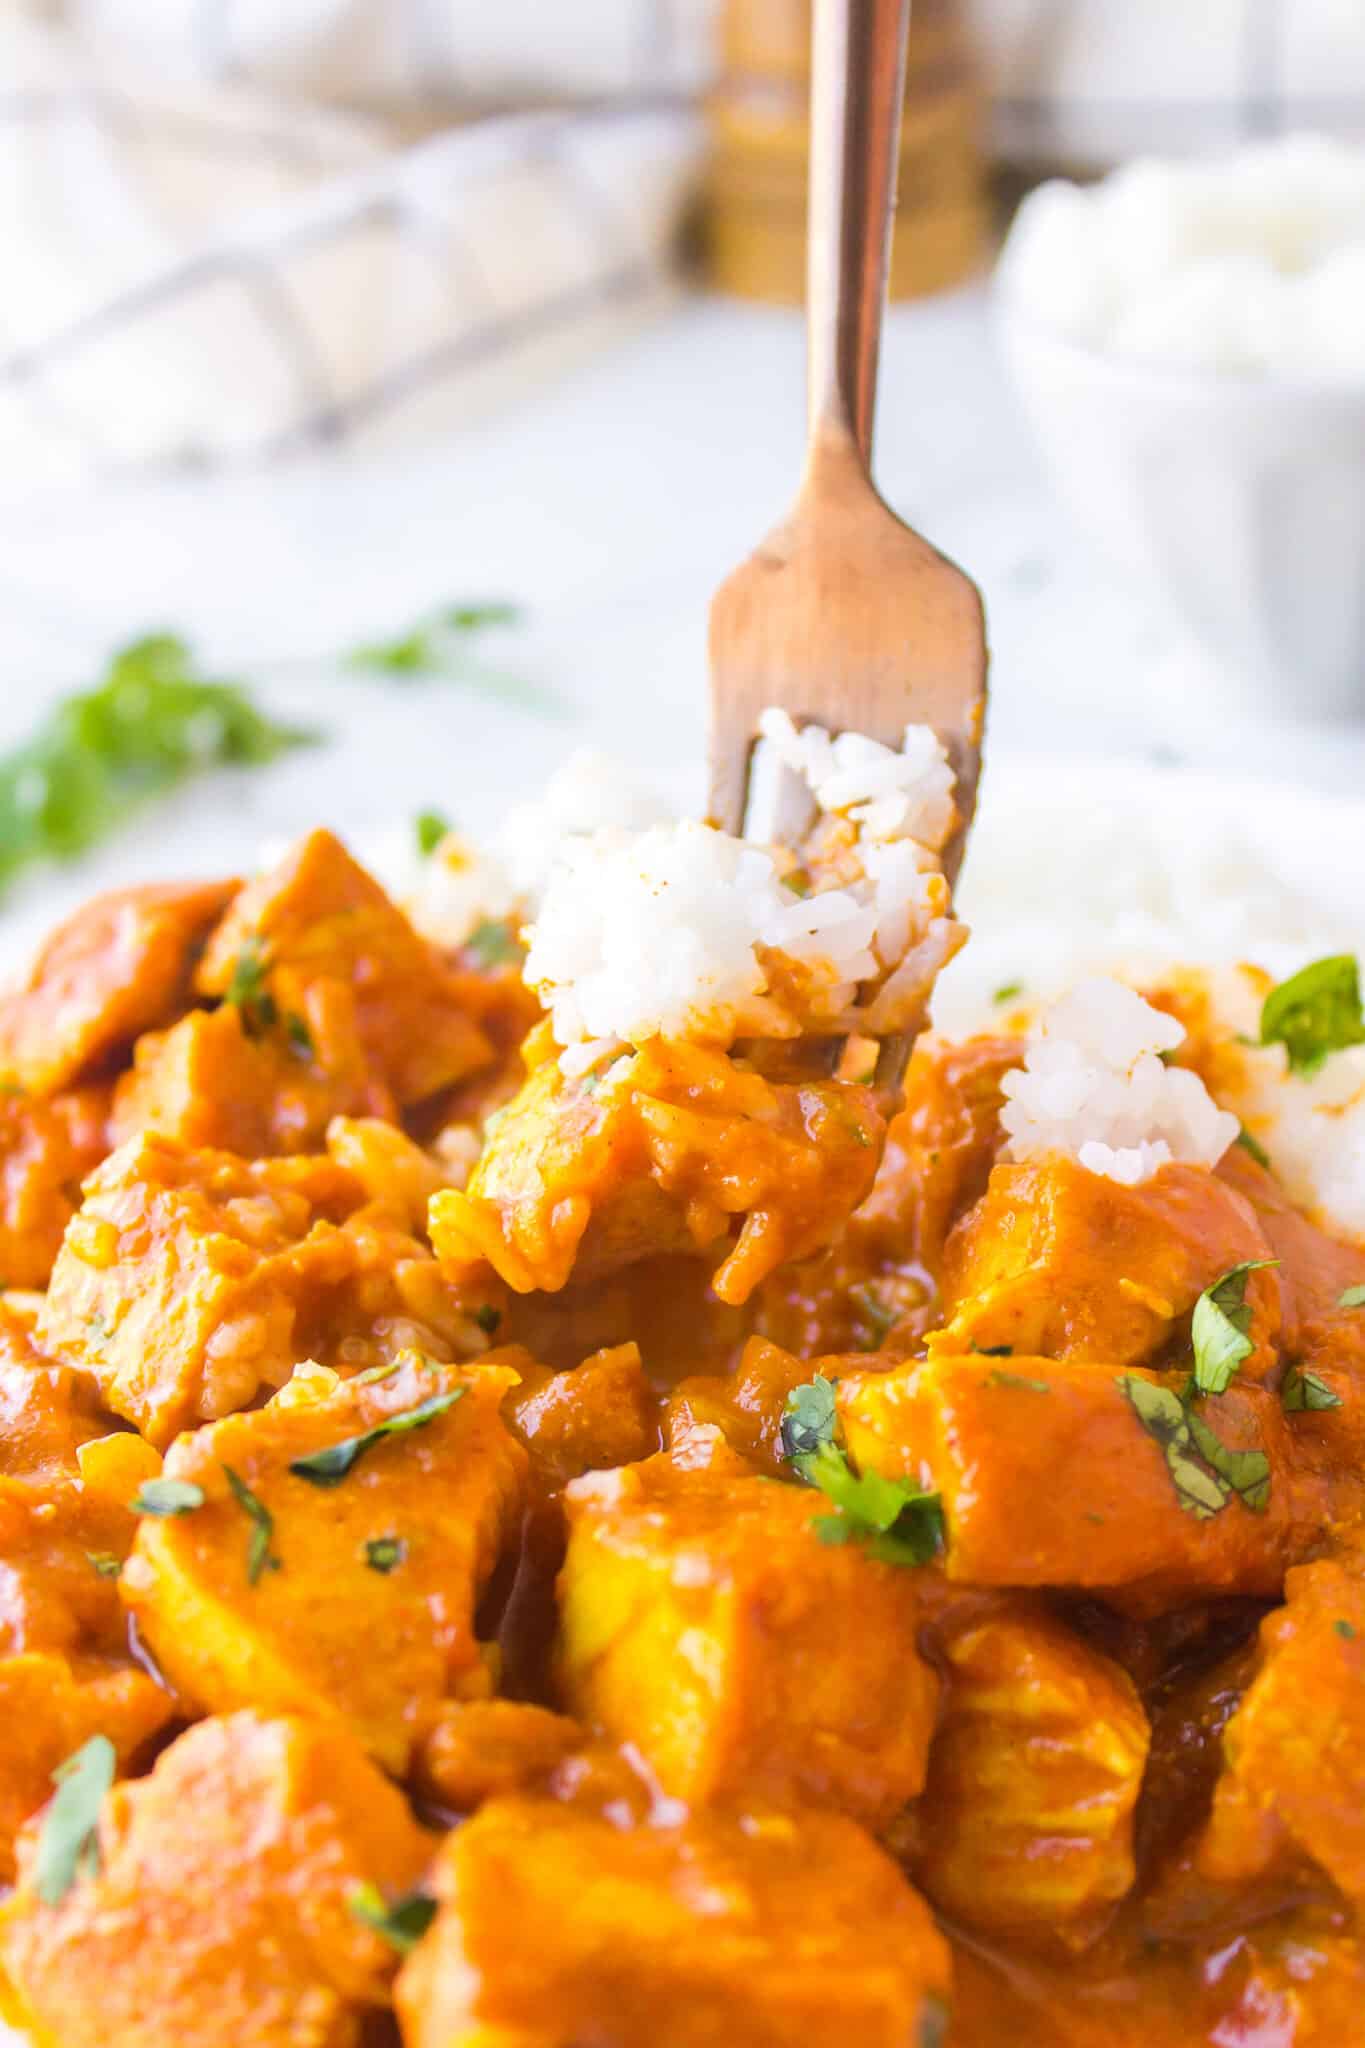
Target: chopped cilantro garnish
[
  {"x": 247, "y": 991},
  {"x": 493, "y": 943},
  {"x": 1344, "y": 1630},
  {"x": 103, "y": 1563},
  {"x": 329, "y": 1466},
  {"x": 880, "y": 1316},
  {"x": 1246, "y": 1472},
  {"x": 1250, "y": 1143},
  {"x": 487, "y": 1317},
  {"x": 429, "y": 829},
  {"x": 993, "y": 1350},
  {"x": 892, "y": 1520},
  {"x": 1220, "y": 1328},
  {"x": 69, "y": 1841},
  {"x": 1316, "y": 1012},
  {"x": 100, "y": 755},
  {"x": 1007, "y": 992},
  {"x": 1001, "y": 1378},
  {"x": 402, "y": 1924},
  {"x": 1302, "y": 1389},
  {"x": 1204, "y": 1472},
  {"x": 933, "y": 2022},
  {"x": 167, "y": 1497},
  {"x": 299, "y": 1036},
  {"x": 259, "y": 1556},
  {"x": 1354, "y": 1297},
  {"x": 811, "y": 1418},
  {"x": 385, "y": 1553}
]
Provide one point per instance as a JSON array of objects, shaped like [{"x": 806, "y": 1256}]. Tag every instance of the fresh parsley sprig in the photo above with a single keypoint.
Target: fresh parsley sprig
[
  {"x": 1316, "y": 1012},
  {"x": 892, "y": 1520}
]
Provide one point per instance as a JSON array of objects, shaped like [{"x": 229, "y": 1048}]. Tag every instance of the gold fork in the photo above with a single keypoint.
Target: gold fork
[{"x": 844, "y": 617}]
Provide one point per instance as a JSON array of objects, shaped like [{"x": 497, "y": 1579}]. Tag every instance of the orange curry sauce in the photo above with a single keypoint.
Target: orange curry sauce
[{"x": 490, "y": 1674}]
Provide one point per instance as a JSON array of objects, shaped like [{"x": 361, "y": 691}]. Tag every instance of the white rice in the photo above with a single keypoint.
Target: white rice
[
  {"x": 682, "y": 931},
  {"x": 456, "y": 886},
  {"x": 1094, "y": 1088},
  {"x": 1253, "y": 263}
]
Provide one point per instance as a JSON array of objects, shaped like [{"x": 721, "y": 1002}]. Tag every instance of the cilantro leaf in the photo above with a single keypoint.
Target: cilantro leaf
[
  {"x": 1252, "y": 1144},
  {"x": 429, "y": 829},
  {"x": 1220, "y": 1328},
  {"x": 1246, "y": 1472},
  {"x": 493, "y": 943},
  {"x": 1001, "y": 1378},
  {"x": 1301, "y": 1389},
  {"x": 1007, "y": 992},
  {"x": 101, "y": 754},
  {"x": 68, "y": 1841},
  {"x": 385, "y": 1553},
  {"x": 894, "y": 1521},
  {"x": 1163, "y": 1415},
  {"x": 810, "y": 1419},
  {"x": 167, "y": 1497},
  {"x": 402, "y": 1924},
  {"x": 1344, "y": 1630},
  {"x": 259, "y": 1556},
  {"x": 1204, "y": 1471},
  {"x": 103, "y": 1563},
  {"x": 1316, "y": 1012},
  {"x": 328, "y": 1467},
  {"x": 1354, "y": 1297},
  {"x": 247, "y": 991},
  {"x": 441, "y": 644}
]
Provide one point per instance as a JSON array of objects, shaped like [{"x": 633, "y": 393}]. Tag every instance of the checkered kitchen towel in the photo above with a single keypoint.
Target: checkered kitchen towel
[
  {"x": 218, "y": 241},
  {"x": 197, "y": 271}
]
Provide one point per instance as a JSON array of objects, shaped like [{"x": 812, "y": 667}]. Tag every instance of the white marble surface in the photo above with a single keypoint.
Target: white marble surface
[{"x": 610, "y": 502}]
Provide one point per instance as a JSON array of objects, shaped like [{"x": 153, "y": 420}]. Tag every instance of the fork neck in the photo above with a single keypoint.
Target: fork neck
[{"x": 857, "y": 89}]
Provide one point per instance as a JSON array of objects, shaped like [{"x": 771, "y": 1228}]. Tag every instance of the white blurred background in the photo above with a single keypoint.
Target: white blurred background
[{"x": 319, "y": 315}]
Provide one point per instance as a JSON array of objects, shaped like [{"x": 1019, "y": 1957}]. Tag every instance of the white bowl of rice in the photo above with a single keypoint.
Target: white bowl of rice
[{"x": 1188, "y": 341}]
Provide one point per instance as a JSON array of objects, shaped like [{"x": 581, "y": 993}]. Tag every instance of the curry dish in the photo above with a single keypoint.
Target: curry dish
[{"x": 658, "y": 1548}]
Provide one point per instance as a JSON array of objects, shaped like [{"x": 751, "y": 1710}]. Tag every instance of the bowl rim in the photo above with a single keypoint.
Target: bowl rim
[{"x": 1233, "y": 387}]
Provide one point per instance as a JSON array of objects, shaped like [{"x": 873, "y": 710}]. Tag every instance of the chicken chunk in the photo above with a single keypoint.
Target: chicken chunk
[
  {"x": 758, "y": 1933},
  {"x": 189, "y": 1280},
  {"x": 697, "y": 1607},
  {"x": 478, "y": 1749},
  {"x": 46, "y": 1150},
  {"x": 1295, "y": 1748},
  {"x": 345, "y": 1589},
  {"x": 1026, "y": 1825},
  {"x": 221, "y": 1910},
  {"x": 665, "y": 1153},
  {"x": 1058, "y": 1262},
  {"x": 598, "y": 1414},
  {"x": 1057, "y": 1475},
  {"x": 48, "y": 1708},
  {"x": 65, "y": 1526},
  {"x": 319, "y": 920},
  {"x": 121, "y": 966}
]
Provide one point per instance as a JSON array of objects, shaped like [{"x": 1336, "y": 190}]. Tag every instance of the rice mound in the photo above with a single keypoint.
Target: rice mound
[
  {"x": 454, "y": 887},
  {"x": 682, "y": 931},
  {"x": 1093, "y": 1087}
]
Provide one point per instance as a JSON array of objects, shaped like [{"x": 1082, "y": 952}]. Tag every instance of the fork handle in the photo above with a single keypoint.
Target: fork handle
[{"x": 857, "y": 89}]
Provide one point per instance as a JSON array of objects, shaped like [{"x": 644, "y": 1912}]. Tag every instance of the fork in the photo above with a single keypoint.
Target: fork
[{"x": 844, "y": 617}]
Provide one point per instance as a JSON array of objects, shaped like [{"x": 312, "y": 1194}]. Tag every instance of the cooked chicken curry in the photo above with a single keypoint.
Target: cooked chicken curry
[{"x": 650, "y": 1558}]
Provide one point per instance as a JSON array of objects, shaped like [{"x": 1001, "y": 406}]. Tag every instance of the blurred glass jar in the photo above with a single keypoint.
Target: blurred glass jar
[{"x": 754, "y": 217}]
